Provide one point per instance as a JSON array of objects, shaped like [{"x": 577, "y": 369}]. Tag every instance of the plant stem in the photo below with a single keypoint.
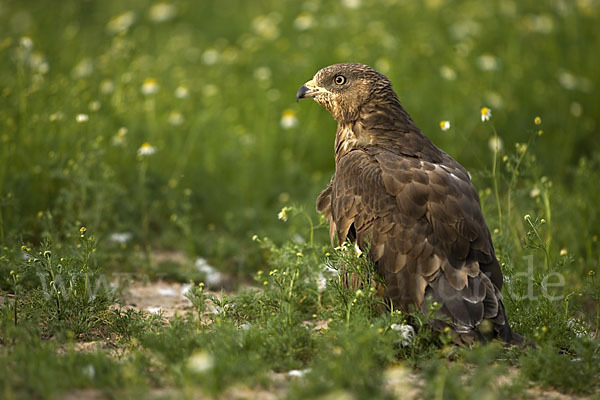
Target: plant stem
[{"x": 495, "y": 178}]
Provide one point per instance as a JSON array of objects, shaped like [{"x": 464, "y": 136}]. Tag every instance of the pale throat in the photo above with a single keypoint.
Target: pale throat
[{"x": 350, "y": 135}]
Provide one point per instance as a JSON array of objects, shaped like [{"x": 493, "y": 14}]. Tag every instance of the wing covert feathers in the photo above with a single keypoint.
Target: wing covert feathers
[{"x": 425, "y": 230}]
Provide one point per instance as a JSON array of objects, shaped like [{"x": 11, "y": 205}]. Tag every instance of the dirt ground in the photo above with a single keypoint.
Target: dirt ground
[{"x": 168, "y": 299}]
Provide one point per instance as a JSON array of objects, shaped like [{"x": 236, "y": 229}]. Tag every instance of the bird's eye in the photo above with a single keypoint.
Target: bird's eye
[{"x": 339, "y": 79}]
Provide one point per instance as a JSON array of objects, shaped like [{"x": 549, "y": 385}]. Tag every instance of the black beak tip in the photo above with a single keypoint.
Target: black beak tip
[{"x": 300, "y": 94}]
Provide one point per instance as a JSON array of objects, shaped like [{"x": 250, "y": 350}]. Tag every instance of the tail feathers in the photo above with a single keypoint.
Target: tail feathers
[
  {"x": 475, "y": 313},
  {"x": 505, "y": 333}
]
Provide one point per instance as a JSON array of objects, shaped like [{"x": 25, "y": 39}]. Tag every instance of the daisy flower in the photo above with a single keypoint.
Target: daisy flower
[
  {"x": 146, "y": 149},
  {"x": 486, "y": 114}
]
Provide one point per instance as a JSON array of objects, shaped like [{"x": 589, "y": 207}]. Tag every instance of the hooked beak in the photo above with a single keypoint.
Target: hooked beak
[{"x": 309, "y": 89}]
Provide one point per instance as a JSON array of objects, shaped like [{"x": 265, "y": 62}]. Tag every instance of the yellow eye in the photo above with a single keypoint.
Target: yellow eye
[{"x": 339, "y": 79}]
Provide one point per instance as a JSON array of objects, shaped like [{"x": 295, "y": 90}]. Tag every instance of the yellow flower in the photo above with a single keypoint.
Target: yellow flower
[
  {"x": 146, "y": 149},
  {"x": 537, "y": 120},
  {"x": 288, "y": 119},
  {"x": 150, "y": 86},
  {"x": 444, "y": 125},
  {"x": 283, "y": 213},
  {"x": 486, "y": 113}
]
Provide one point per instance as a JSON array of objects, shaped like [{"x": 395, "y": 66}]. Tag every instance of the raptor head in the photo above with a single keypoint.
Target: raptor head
[{"x": 344, "y": 89}]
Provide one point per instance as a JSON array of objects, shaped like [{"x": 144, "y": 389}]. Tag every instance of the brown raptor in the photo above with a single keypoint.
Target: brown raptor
[{"x": 410, "y": 203}]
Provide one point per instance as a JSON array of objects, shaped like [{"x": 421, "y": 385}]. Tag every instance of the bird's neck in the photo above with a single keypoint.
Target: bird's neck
[{"x": 387, "y": 124}]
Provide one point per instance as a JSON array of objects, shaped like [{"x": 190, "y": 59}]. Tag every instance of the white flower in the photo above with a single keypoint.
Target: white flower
[
  {"x": 176, "y": 118},
  {"x": 84, "y": 68},
  {"x": 262, "y": 73},
  {"x": 210, "y": 56},
  {"x": 539, "y": 23},
  {"x": 282, "y": 215},
  {"x": 266, "y": 25},
  {"x": 154, "y": 310},
  {"x": 535, "y": 192},
  {"x": 288, "y": 119},
  {"x": 121, "y": 22},
  {"x": 579, "y": 327},
  {"x": 576, "y": 109},
  {"x": 406, "y": 333},
  {"x": 487, "y": 62},
  {"x": 486, "y": 113},
  {"x": 146, "y": 149},
  {"x": 447, "y": 73},
  {"x": 200, "y": 361},
  {"x": 94, "y": 105},
  {"x": 120, "y": 237},
  {"x": 107, "y": 86},
  {"x": 299, "y": 372},
  {"x": 38, "y": 63},
  {"x": 181, "y": 92},
  {"x": 444, "y": 125},
  {"x": 161, "y": 12},
  {"x": 81, "y": 118},
  {"x": 150, "y": 86},
  {"x": 303, "y": 21},
  {"x": 26, "y": 43},
  {"x": 495, "y": 144},
  {"x": 567, "y": 80},
  {"x": 352, "y": 4}
]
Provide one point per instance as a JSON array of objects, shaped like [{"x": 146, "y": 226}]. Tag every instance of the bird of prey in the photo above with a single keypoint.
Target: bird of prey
[{"x": 411, "y": 204}]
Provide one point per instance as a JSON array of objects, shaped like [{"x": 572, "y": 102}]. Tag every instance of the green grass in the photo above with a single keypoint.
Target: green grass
[{"x": 84, "y": 85}]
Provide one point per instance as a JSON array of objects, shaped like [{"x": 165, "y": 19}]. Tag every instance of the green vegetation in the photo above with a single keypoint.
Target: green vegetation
[{"x": 159, "y": 141}]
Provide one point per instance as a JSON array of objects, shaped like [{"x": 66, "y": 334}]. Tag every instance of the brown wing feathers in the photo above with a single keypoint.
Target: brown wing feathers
[{"x": 420, "y": 237}]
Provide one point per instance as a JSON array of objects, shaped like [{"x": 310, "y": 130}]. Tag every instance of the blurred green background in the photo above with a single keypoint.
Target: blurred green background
[{"x": 173, "y": 126}]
